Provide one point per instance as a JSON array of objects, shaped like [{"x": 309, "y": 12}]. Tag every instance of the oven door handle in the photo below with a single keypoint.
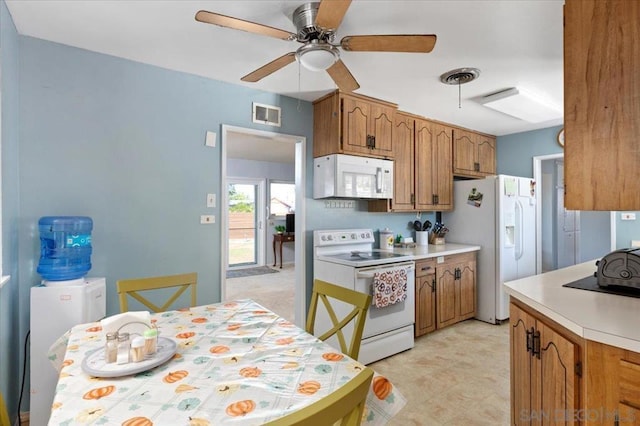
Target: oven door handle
[{"x": 371, "y": 272}]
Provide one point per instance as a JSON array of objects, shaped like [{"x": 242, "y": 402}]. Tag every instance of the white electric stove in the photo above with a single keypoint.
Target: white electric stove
[{"x": 346, "y": 257}]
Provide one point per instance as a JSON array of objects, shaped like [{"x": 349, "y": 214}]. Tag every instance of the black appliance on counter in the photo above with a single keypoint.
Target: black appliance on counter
[
  {"x": 620, "y": 268},
  {"x": 618, "y": 273}
]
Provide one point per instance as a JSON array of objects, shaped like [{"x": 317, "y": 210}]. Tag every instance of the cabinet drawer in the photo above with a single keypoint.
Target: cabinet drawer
[
  {"x": 455, "y": 258},
  {"x": 425, "y": 267},
  {"x": 630, "y": 383}
]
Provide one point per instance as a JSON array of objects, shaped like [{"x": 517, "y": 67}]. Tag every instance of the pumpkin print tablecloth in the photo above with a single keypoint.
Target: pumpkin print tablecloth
[{"x": 236, "y": 363}]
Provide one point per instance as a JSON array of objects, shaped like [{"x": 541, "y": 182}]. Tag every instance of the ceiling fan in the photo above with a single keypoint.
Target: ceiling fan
[{"x": 316, "y": 25}]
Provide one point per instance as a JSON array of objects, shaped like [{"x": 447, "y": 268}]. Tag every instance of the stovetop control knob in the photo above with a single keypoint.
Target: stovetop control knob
[{"x": 354, "y": 236}]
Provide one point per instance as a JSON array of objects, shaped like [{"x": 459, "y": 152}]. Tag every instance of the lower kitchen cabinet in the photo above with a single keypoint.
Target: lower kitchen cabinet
[
  {"x": 545, "y": 371},
  {"x": 445, "y": 291},
  {"x": 425, "y": 297}
]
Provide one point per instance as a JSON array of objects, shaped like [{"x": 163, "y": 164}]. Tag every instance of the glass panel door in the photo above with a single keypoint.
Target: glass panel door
[{"x": 245, "y": 222}]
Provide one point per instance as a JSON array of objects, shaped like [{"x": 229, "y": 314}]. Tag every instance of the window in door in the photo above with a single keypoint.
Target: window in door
[{"x": 245, "y": 243}]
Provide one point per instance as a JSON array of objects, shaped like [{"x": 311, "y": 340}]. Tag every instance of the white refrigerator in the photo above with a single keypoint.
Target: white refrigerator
[{"x": 497, "y": 213}]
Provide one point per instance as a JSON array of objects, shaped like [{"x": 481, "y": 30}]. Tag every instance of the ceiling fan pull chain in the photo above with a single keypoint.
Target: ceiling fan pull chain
[
  {"x": 459, "y": 96},
  {"x": 299, "y": 88}
]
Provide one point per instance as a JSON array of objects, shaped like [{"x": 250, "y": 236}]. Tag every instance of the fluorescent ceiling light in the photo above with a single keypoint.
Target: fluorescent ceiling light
[{"x": 522, "y": 104}]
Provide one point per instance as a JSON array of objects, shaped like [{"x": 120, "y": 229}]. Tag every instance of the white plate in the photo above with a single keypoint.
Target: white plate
[{"x": 95, "y": 365}]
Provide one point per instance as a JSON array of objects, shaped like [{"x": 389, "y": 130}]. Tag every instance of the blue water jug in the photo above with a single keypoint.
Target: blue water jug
[{"x": 65, "y": 247}]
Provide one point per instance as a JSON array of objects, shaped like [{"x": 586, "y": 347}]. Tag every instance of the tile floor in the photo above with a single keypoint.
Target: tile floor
[{"x": 455, "y": 376}]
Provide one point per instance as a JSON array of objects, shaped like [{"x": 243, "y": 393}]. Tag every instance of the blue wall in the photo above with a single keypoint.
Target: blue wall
[
  {"x": 10, "y": 336},
  {"x": 123, "y": 143},
  {"x": 515, "y": 152}
]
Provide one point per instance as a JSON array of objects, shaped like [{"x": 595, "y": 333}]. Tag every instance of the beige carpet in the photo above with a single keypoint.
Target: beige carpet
[{"x": 456, "y": 376}]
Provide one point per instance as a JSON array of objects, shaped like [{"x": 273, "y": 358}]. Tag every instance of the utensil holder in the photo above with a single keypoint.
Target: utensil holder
[
  {"x": 433, "y": 239},
  {"x": 422, "y": 238}
]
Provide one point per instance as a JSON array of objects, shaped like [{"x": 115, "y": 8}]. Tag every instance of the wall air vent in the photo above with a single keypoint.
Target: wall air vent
[{"x": 266, "y": 114}]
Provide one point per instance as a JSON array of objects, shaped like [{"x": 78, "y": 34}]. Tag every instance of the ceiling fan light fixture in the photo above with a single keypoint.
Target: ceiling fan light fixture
[{"x": 317, "y": 57}]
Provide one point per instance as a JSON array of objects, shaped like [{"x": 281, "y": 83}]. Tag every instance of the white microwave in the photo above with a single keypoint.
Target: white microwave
[{"x": 350, "y": 176}]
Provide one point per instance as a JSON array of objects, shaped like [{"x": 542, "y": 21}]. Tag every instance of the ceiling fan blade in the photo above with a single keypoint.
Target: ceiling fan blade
[
  {"x": 343, "y": 77},
  {"x": 240, "y": 24},
  {"x": 270, "y": 68},
  {"x": 331, "y": 12},
  {"x": 389, "y": 43}
]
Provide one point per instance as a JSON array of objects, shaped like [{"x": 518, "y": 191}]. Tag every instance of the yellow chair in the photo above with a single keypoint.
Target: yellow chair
[
  {"x": 324, "y": 291},
  {"x": 4, "y": 415},
  {"x": 345, "y": 405},
  {"x": 131, "y": 287}
]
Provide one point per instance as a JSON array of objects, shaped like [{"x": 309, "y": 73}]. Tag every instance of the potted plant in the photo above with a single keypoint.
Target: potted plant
[{"x": 280, "y": 229}]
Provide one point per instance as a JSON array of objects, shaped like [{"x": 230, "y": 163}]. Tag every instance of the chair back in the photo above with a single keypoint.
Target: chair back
[
  {"x": 4, "y": 414},
  {"x": 345, "y": 405},
  {"x": 324, "y": 291},
  {"x": 132, "y": 287}
]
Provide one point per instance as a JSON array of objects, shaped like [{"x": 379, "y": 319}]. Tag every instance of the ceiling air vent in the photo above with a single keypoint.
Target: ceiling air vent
[{"x": 266, "y": 114}]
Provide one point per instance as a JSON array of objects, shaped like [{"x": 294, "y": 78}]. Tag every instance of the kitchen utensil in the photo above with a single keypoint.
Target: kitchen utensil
[
  {"x": 426, "y": 225},
  {"x": 417, "y": 226}
]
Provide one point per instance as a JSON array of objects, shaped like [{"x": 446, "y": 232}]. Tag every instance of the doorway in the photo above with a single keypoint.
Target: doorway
[
  {"x": 255, "y": 141},
  {"x": 566, "y": 237},
  {"x": 245, "y": 207}
]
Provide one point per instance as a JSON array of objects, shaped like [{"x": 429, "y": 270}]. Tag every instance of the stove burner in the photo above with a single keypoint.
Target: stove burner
[{"x": 359, "y": 255}]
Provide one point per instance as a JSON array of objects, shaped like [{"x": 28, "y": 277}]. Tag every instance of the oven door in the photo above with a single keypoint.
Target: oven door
[{"x": 392, "y": 317}]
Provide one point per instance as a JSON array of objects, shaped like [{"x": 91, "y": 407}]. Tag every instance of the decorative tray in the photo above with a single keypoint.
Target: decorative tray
[{"x": 94, "y": 364}]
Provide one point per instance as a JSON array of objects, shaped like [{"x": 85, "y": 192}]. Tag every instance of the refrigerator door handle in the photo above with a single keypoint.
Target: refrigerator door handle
[{"x": 518, "y": 230}]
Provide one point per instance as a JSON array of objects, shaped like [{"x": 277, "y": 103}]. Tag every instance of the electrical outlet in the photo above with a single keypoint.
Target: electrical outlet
[
  {"x": 211, "y": 200},
  {"x": 207, "y": 219},
  {"x": 210, "y": 139},
  {"x": 628, "y": 216}
]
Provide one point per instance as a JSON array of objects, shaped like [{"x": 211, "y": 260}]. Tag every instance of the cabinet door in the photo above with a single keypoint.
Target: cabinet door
[
  {"x": 446, "y": 296},
  {"x": 355, "y": 126},
  {"x": 423, "y": 161},
  {"x": 555, "y": 376},
  {"x": 381, "y": 128},
  {"x": 521, "y": 325},
  {"x": 487, "y": 155},
  {"x": 602, "y": 112},
  {"x": 441, "y": 166},
  {"x": 425, "y": 304},
  {"x": 403, "y": 171},
  {"x": 467, "y": 298},
  {"x": 464, "y": 152}
]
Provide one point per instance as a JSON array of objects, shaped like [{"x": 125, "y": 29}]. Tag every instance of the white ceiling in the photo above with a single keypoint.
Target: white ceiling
[{"x": 512, "y": 42}]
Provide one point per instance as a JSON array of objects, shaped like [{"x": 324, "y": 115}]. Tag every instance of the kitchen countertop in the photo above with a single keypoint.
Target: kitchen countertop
[
  {"x": 425, "y": 252},
  {"x": 601, "y": 317}
]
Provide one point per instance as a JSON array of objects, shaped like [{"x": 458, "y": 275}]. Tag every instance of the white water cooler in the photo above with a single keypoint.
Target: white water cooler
[{"x": 56, "y": 307}]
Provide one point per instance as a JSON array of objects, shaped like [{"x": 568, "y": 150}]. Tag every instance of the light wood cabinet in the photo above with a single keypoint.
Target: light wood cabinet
[
  {"x": 545, "y": 371},
  {"x": 601, "y": 108},
  {"x": 423, "y": 178},
  {"x": 474, "y": 154},
  {"x": 445, "y": 291},
  {"x": 615, "y": 390},
  {"x": 425, "y": 297},
  {"x": 455, "y": 289},
  {"x": 353, "y": 124}
]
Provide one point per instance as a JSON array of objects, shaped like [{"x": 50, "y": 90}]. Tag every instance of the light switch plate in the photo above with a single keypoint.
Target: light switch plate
[
  {"x": 210, "y": 140},
  {"x": 207, "y": 219},
  {"x": 211, "y": 200}
]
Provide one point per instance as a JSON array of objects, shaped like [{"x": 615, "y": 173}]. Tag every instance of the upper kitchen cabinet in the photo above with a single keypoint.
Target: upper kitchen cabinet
[
  {"x": 474, "y": 154},
  {"x": 423, "y": 179},
  {"x": 601, "y": 104},
  {"x": 353, "y": 124},
  {"x": 434, "y": 178}
]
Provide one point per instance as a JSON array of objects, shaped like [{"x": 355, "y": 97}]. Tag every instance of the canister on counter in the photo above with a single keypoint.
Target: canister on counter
[{"x": 386, "y": 239}]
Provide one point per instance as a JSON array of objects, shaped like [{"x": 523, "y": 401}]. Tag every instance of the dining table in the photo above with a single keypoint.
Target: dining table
[{"x": 234, "y": 362}]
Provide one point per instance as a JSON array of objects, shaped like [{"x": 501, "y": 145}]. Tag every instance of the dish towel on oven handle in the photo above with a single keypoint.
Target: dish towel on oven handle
[{"x": 389, "y": 287}]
